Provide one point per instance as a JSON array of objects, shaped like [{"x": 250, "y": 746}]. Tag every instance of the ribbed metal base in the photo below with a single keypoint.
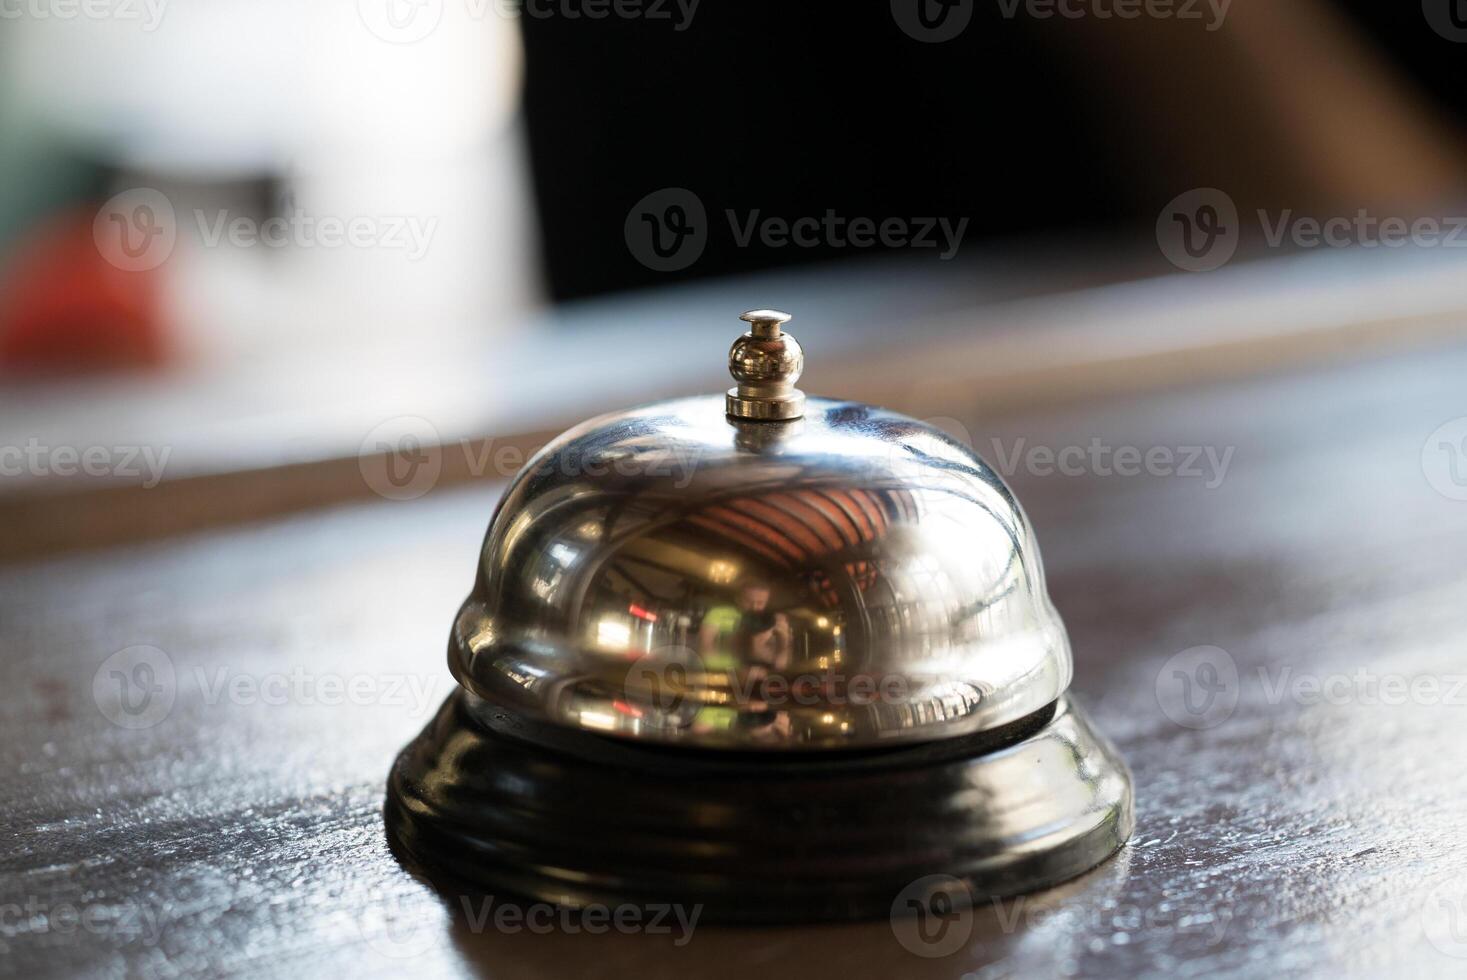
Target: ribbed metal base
[{"x": 482, "y": 801}]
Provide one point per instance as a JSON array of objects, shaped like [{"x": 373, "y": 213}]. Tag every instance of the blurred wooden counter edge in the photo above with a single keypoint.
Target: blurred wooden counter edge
[{"x": 996, "y": 358}]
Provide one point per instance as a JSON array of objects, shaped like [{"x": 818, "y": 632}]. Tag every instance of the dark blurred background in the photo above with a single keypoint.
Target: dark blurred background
[
  {"x": 1025, "y": 126},
  {"x": 792, "y": 109},
  {"x": 270, "y": 221}
]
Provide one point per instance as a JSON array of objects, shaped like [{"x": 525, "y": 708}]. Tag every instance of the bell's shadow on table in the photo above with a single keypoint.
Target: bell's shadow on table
[{"x": 499, "y": 936}]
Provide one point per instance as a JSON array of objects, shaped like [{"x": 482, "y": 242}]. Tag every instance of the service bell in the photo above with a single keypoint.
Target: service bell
[{"x": 773, "y": 655}]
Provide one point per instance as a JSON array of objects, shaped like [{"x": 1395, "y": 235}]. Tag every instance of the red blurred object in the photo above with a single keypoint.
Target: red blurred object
[
  {"x": 63, "y": 306},
  {"x": 641, "y": 613}
]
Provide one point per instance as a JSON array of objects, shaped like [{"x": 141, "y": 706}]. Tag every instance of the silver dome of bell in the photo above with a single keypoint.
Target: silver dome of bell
[{"x": 761, "y": 571}]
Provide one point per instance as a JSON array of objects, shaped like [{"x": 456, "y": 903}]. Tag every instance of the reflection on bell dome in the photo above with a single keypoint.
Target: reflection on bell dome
[{"x": 849, "y": 578}]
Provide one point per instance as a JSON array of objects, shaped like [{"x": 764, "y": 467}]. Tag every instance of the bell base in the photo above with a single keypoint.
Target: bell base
[{"x": 486, "y": 802}]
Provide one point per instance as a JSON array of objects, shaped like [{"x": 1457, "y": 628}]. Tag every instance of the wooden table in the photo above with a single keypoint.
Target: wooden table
[{"x": 1303, "y": 831}]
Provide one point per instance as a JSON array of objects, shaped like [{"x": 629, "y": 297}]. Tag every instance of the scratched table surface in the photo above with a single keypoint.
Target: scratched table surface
[{"x": 1268, "y": 622}]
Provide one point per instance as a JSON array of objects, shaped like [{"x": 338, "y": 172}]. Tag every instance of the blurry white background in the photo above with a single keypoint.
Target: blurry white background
[{"x": 396, "y": 113}]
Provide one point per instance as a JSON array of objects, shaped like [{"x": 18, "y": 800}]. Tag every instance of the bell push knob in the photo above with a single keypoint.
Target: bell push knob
[{"x": 766, "y": 362}]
